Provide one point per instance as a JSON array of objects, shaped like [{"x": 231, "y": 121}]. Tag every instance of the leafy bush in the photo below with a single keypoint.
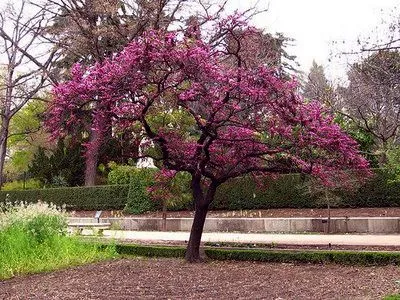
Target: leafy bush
[
  {"x": 292, "y": 191},
  {"x": 33, "y": 239},
  {"x": 19, "y": 185},
  {"x": 182, "y": 194},
  {"x": 120, "y": 174},
  {"x": 392, "y": 297},
  {"x": 378, "y": 191},
  {"x": 26, "y": 214},
  {"x": 139, "y": 200}
]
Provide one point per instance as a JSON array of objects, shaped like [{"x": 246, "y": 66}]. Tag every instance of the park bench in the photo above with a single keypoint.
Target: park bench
[{"x": 97, "y": 227}]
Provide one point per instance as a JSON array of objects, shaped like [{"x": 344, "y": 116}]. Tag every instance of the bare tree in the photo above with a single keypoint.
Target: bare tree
[
  {"x": 372, "y": 99},
  {"x": 26, "y": 68},
  {"x": 391, "y": 40}
]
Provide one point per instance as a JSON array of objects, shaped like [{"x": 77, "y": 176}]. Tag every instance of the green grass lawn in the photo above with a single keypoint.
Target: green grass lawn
[
  {"x": 33, "y": 239},
  {"x": 392, "y": 297}
]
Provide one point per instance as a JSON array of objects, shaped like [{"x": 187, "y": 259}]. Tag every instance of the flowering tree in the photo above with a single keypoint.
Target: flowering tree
[{"x": 243, "y": 118}]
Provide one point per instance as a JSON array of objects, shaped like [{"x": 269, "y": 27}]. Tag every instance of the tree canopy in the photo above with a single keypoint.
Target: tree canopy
[{"x": 246, "y": 118}]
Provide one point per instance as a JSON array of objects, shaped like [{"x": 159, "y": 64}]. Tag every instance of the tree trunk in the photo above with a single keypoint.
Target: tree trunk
[
  {"x": 193, "y": 247},
  {"x": 164, "y": 215},
  {"x": 98, "y": 136},
  {"x": 92, "y": 156},
  {"x": 91, "y": 166},
  {"x": 201, "y": 208},
  {"x": 382, "y": 158},
  {"x": 2, "y": 160},
  {"x": 3, "y": 147}
]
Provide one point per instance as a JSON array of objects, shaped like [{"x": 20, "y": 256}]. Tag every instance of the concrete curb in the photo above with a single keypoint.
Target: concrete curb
[
  {"x": 258, "y": 238},
  {"x": 372, "y": 225}
]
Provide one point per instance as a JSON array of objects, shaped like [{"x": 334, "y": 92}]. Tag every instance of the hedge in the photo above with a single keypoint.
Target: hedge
[
  {"x": 283, "y": 192},
  {"x": 150, "y": 251},
  {"x": 291, "y": 191},
  {"x": 288, "y": 191},
  {"x": 108, "y": 197},
  {"x": 362, "y": 258}
]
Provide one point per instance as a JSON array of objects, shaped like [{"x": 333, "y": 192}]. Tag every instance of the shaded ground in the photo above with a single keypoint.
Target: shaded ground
[
  {"x": 175, "y": 279},
  {"x": 266, "y": 213}
]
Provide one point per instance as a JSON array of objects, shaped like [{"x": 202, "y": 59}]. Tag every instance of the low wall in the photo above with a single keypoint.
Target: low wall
[{"x": 283, "y": 225}]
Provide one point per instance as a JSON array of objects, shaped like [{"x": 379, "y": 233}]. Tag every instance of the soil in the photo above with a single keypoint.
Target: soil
[
  {"x": 266, "y": 213},
  {"x": 176, "y": 279}
]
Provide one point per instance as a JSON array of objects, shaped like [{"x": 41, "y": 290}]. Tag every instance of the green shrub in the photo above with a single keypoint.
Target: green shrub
[
  {"x": 108, "y": 197},
  {"x": 150, "y": 251},
  {"x": 19, "y": 185},
  {"x": 33, "y": 239},
  {"x": 378, "y": 191},
  {"x": 291, "y": 191},
  {"x": 281, "y": 256},
  {"x": 139, "y": 200},
  {"x": 120, "y": 174},
  {"x": 182, "y": 194},
  {"x": 339, "y": 257}
]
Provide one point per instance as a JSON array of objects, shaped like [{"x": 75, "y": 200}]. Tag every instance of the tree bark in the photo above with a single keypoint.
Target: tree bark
[
  {"x": 97, "y": 138},
  {"x": 3, "y": 147},
  {"x": 201, "y": 208},
  {"x": 91, "y": 158},
  {"x": 193, "y": 247}
]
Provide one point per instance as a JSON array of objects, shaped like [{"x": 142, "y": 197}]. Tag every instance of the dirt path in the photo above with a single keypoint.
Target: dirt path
[
  {"x": 175, "y": 279},
  {"x": 266, "y": 213}
]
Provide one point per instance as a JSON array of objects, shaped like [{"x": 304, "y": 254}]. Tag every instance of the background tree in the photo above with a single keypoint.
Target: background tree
[
  {"x": 62, "y": 166},
  {"x": 92, "y": 30},
  {"x": 21, "y": 77},
  {"x": 247, "y": 119},
  {"x": 372, "y": 99},
  {"x": 26, "y": 135},
  {"x": 318, "y": 87},
  {"x": 390, "y": 33}
]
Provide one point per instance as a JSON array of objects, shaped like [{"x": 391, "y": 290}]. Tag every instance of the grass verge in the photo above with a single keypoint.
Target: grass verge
[
  {"x": 33, "y": 239},
  {"x": 392, "y": 297}
]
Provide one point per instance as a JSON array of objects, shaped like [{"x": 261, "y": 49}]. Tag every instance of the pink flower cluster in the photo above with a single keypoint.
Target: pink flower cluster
[{"x": 244, "y": 119}]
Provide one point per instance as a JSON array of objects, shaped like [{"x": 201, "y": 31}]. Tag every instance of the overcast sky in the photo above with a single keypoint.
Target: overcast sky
[{"x": 315, "y": 24}]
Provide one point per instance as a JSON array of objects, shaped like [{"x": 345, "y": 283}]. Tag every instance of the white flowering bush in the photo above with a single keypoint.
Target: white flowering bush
[
  {"x": 40, "y": 220},
  {"x": 33, "y": 239}
]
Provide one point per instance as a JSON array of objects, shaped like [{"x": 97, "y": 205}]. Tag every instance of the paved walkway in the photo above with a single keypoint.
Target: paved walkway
[{"x": 293, "y": 239}]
